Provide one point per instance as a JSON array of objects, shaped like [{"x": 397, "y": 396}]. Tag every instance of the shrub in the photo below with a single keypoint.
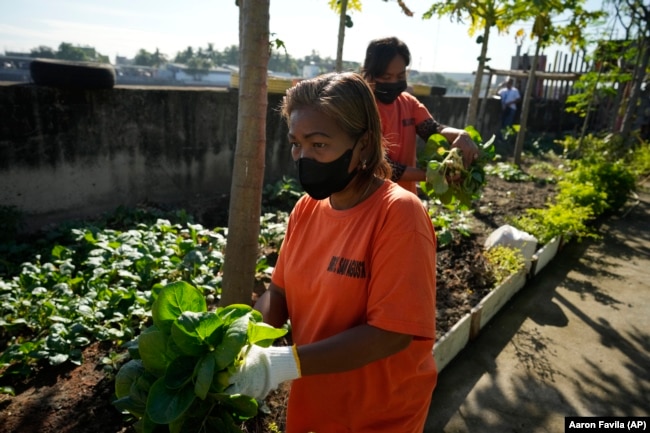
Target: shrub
[
  {"x": 556, "y": 220},
  {"x": 504, "y": 261},
  {"x": 612, "y": 181}
]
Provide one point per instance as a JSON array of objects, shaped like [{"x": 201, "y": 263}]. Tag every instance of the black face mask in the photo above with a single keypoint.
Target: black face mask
[
  {"x": 388, "y": 92},
  {"x": 322, "y": 179}
]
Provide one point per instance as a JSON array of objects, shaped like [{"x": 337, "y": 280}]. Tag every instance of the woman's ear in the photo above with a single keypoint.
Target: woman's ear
[{"x": 364, "y": 140}]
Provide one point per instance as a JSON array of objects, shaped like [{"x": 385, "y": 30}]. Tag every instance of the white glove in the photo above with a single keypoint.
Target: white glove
[{"x": 263, "y": 369}]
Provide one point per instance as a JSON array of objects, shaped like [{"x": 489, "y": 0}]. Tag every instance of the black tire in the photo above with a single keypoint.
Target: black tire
[{"x": 79, "y": 75}]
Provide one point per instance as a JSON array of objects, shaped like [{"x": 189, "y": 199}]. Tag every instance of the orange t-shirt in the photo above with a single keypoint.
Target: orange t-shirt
[
  {"x": 374, "y": 264},
  {"x": 398, "y": 122}
]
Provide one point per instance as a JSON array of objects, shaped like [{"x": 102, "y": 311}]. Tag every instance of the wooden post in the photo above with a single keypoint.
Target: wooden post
[{"x": 481, "y": 115}]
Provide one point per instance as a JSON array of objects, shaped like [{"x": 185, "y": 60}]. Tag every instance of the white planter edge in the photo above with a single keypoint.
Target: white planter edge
[
  {"x": 495, "y": 300},
  {"x": 545, "y": 254},
  {"x": 452, "y": 342}
]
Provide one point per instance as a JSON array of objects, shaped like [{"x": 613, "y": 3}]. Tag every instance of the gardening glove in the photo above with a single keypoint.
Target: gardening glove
[{"x": 263, "y": 369}]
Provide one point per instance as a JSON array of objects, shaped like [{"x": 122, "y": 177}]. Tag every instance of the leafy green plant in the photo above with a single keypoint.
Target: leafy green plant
[
  {"x": 448, "y": 223},
  {"x": 181, "y": 364},
  {"x": 583, "y": 194},
  {"x": 504, "y": 261},
  {"x": 98, "y": 288},
  {"x": 612, "y": 183},
  {"x": 282, "y": 194},
  {"x": 272, "y": 228},
  {"x": 447, "y": 179},
  {"x": 597, "y": 183},
  {"x": 556, "y": 220},
  {"x": 638, "y": 159},
  {"x": 507, "y": 171}
]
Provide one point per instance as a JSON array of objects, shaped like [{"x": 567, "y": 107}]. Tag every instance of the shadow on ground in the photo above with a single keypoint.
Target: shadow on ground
[{"x": 567, "y": 344}]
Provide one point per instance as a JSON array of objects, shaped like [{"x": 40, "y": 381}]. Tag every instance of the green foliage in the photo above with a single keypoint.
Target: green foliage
[
  {"x": 555, "y": 220},
  {"x": 611, "y": 182},
  {"x": 593, "y": 88},
  {"x": 504, "y": 261},
  {"x": 282, "y": 194},
  {"x": 67, "y": 51},
  {"x": 181, "y": 363},
  {"x": 97, "y": 287},
  {"x": 638, "y": 159},
  {"x": 581, "y": 194},
  {"x": 447, "y": 180},
  {"x": 448, "y": 223},
  {"x": 272, "y": 229},
  {"x": 596, "y": 184},
  {"x": 508, "y": 172},
  {"x": 95, "y": 281},
  {"x": 145, "y": 58}
]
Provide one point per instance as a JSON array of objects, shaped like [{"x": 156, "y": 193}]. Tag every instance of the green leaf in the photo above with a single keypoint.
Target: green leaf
[
  {"x": 185, "y": 336},
  {"x": 233, "y": 312},
  {"x": 173, "y": 300},
  {"x": 136, "y": 400},
  {"x": 7, "y": 390},
  {"x": 263, "y": 334},
  {"x": 152, "y": 344},
  {"x": 243, "y": 406},
  {"x": 220, "y": 380},
  {"x": 473, "y": 134},
  {"x": 233, "y": 341},
  {"x": 126, "y": 377},
  {"x": 166, "y": 405},
  {"x": 195, "y": 333},
  {"x": 436, "y": 179},
  {"x": 180, "y": 372},
  {"x": 204, "y": 374}
]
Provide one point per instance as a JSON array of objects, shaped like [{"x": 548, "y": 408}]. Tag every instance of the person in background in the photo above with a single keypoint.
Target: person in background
[
  {"x": 510, "y": 97},
  {"x": 403, "y": 117},
  {"x": 356, "y": 276}
]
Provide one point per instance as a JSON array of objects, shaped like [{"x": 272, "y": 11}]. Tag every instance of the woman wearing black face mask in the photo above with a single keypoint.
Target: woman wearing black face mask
[
  {"x": 402, "y": 115},
  {"x": 356, "y": 276}
]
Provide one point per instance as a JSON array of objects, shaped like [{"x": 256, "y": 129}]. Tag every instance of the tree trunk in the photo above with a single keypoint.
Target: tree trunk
[
  {"x": 472, "y": 108},
  {"x": 341, "y": 39},
  {"x": 248, "y": 171},
  {"x": 632, "y": 103},
  {"x": 483, "y": 106},
  {"x": 525, "y": 107}
]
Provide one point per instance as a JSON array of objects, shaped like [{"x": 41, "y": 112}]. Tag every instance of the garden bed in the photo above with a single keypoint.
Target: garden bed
[{"x": 67, "y": 398}]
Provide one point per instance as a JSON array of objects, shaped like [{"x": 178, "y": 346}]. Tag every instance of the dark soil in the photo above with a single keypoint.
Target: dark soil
[{"x": 77, "y": 399}]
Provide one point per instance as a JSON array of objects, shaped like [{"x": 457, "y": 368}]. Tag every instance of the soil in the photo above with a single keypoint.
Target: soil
[{"x": 77, "y": 399}]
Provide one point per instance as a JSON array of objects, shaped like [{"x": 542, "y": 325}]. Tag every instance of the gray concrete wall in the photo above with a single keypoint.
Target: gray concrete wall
[{"x": 72, "y": 153}]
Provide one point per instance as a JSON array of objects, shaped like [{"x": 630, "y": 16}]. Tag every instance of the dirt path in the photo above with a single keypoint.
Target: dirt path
[{"x": 574, "y": 342}]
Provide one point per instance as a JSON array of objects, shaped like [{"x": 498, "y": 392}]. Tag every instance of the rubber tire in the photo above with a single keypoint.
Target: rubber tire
[{"x": 78, "y": 75}]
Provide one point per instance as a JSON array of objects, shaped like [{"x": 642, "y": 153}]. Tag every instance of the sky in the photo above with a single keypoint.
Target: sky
[{"x": 123, "y": 27}]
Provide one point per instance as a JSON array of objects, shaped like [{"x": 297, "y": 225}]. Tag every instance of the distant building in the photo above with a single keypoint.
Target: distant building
[
  {"x": 171, "y": 74},
  {"x": 311, "y": 70}
]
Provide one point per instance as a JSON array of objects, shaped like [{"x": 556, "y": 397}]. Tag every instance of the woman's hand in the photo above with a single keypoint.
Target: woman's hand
[
  {"x": 460, "y": 138},
  {"x": 468, "y": 148}
]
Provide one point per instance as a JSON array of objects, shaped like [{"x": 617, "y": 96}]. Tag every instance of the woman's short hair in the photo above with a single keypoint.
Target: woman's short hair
[
  {"x": 380, "y": 53},
  {"x": 346, "y": 98}
]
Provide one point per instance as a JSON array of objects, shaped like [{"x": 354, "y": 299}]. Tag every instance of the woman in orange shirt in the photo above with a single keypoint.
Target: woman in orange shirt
[
  {"x": 355, "y": 276},
  {"x": 403, "y": 117}
]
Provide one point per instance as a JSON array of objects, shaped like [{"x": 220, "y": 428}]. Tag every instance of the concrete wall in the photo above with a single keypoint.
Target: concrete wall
[{"x": 72, "y": 153}]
